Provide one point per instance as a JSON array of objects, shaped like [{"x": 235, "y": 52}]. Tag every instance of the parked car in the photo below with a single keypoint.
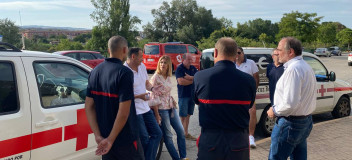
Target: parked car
[
  {"x": 350, "y": 59},
  {"x": 335, "y": 51},
  {"x": 90, "y": 58},
  {"x": 322, "y": 52},
  {"x": 42, "y": 112},
  {"x": 207, "y": 59},
  {"x": 333, "y": 95},
  {"x": 154, "y": 50}
]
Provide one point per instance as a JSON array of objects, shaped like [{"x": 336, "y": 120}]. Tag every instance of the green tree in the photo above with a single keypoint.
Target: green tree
[
  {"x": 345, "y": 37},
  {"x": 10, "y": 32},
  {"x": 264, "y": 38},
  {"x": 253, "y": 29},
  {"x": 327, "y": 33},
  {"x": 83, "y": 38},
  {"x": 113, "y": 18},
  {"x": 209, "y": 42},
  {"x": 182, "y": 20},
  {"x": 66, "y": 44},
  {"x": 303, "y": 26}
]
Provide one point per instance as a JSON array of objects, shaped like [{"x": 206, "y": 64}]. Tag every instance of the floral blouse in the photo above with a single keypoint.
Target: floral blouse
[{"x": 162, "y": 90}]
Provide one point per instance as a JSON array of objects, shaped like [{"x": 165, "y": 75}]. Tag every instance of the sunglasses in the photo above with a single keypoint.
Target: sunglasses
[{"x": 239, "y": 52}]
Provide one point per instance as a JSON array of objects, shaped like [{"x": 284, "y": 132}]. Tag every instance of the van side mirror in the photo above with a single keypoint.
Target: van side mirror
[{"x": 332, "y": 76}]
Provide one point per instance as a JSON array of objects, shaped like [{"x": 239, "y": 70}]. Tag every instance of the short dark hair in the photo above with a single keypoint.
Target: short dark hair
[
  {"x": 227, "y": 46},
  {"x": 116, "y": 42},
  {"x": 240, "y": 49},
  {"x": 293, "y": 43},
  {"x": 133, "y": 50}
]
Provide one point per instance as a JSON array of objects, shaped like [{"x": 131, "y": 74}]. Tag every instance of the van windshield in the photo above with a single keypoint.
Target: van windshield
[
  {"x": 175, "y": 49},
  {"x": 151, "y": 49}
]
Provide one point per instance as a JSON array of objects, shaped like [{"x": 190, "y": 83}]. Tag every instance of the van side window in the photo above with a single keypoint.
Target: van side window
[
  {"x": 318, "y": 68},
  {"x": 192, "y": 50},
  {"x": 177, "y": 49},
  {"x": 8, "y": 89},
  {"x": 60, "y": 84},
  {"x": 151, "y": 49}
]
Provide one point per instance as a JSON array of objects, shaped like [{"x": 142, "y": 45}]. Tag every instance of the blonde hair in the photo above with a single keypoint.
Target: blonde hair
[{"x": 169, "y": 65}]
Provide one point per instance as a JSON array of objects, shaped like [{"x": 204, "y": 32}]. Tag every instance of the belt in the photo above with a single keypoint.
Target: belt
[{"x": 297, "y": 117}]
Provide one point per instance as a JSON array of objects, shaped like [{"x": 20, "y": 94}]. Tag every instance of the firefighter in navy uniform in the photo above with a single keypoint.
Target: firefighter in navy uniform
[
  {"x": 224, "y": 95},
  {"x": 110, "y": 106}
]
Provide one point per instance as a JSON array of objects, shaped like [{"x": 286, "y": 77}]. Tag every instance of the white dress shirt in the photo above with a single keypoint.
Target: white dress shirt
[
  {"x": 295, "y": 93},
  {"x": 140, "y": 79},
  {"x": 248, "y": 66}
]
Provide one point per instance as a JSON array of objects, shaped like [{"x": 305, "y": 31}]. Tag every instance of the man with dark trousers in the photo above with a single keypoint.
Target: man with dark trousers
[
  {"x": 224, "y": 95},
  {"x": 110, "y": 108}
]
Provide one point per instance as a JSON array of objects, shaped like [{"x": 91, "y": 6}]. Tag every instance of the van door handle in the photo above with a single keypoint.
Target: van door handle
[{"x": 46, "y": 123}]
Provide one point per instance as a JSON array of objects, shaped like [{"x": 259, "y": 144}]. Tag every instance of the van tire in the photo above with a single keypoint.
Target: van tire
[
  {"x": 266, "y": 124},
  {"x": 342, "y": 108},
  {"x": 349, "y": 63}
]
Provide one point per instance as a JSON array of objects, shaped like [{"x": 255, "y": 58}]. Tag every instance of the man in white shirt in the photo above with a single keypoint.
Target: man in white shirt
[
  {"x": 150, "y": 132},
  {"x": 294, "y": 101},
  {"x": 248, "y": 66}
]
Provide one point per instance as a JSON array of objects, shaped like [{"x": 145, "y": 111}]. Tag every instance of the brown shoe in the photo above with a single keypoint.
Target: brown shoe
[{"x": 190, "y": 137}]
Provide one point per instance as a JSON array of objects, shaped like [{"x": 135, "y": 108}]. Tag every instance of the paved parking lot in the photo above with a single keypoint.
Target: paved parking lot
[{"x": 338, "y": 64}]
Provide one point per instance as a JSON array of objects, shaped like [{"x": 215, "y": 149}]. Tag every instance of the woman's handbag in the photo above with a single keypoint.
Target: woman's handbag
[{"x": 154, "y": 101}]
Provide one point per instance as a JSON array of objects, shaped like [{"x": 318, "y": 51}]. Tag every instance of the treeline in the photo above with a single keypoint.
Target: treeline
[{"x": 186, "y": 21}]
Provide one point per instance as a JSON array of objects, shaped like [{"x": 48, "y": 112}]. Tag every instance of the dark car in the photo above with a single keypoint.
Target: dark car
[
  {"x": 90, "y": 58},
  {"x": 335, "y": 51}
]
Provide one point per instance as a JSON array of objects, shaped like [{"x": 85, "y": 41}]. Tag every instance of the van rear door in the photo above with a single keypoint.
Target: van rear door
[
  {"x": 151, "y": 55},
  {"x": 175, "y": 51}
]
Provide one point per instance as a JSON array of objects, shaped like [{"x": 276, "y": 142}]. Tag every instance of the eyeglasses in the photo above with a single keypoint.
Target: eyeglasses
[{"x": 239, "y": 52}]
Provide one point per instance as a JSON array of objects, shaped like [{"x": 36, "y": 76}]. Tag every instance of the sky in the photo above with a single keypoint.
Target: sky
[{"x": 76, "y": 13}]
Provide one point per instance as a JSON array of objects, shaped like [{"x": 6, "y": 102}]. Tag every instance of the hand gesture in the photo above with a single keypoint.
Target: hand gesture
[
  {"x": 98, "y": 139},
  {"x": 270, "y": 113},
  {"x": 103, "y": 147},
  {"x": 187, "y": 76}
]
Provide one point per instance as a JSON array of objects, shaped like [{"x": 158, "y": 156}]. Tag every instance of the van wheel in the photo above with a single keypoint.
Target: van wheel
[
  {"x": 342, "y": 108},
  {"x": 349, "y": 63},
  {"x": 266, "y": 124}
]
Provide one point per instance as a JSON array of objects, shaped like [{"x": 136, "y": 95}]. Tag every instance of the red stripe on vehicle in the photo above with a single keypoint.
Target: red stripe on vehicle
[
  {"x": 15, "y": 145},
  {"x": 208, "y": 101},
  {"x": 262, "y": 96},
  {"x": 330, "y": 90},
  {"x": 343, "y": 89},
  {"x": 46, "y": 138},
  {"x": 104, "y": 94}
]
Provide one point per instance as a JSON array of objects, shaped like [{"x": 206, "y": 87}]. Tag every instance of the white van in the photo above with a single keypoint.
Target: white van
[
  {"x": 42, "y": 112},
  {"x": 333, "y": 95}
]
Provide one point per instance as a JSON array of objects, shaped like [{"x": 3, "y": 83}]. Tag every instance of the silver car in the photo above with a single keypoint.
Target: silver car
[{"x": 322, "y": 52}]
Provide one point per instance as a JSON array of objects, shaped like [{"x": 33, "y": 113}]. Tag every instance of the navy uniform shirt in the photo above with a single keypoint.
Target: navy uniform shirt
[
  {"x": 109, "y": 84},
  {"x": 273, "y": 73},
  {"x": 224, "y": 94},
  {"x": 185, "y": 91}
]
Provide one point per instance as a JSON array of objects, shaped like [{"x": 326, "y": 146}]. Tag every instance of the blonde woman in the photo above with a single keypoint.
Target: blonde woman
[{"x": 161, "y": 82}]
